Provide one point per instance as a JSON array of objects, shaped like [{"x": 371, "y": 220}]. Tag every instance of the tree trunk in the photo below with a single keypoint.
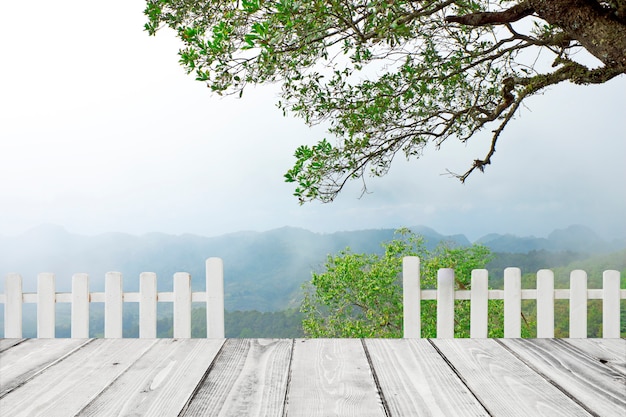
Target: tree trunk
[{"x": 598, "y": 31}]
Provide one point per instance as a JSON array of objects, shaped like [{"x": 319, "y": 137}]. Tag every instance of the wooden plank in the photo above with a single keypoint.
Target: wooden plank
[
  {"x": 23, "y": 361},
  {"x": 332, "y": 377},
  {"x": 512, "y": 302},
  {"x": 6, "y": 344},
  {"x": 505, "y": 385},
  {"x": 113, "y": 305},
  {"x": 479, "y": 304},
  {"x": 545, "y": 303},
  {"x": 214, "y": 298},
  {"x": 160, "y": 383},
  {"x": 411, "y": 297},
  {"x": 445, "y": 303},
  {"x": 598, "y": 387},
  {"x": 415, "y": 380},
  {"x": 69, "y": 385},
  {"x": 248, "y": 378},
  {"x": 148, "y": 305},
  {"x": 45, "y": 305},
  {"x": 13, "y": 306},
  {"x": 611, "y": 352}
]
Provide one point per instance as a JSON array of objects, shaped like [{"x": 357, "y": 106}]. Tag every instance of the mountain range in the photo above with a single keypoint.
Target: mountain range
[{"x": 263, "y": 270}]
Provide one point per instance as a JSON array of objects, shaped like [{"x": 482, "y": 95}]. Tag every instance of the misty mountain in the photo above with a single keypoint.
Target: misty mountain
[
  {"x": 263, "y": 270},
  {"x": 574, "y": 238}
]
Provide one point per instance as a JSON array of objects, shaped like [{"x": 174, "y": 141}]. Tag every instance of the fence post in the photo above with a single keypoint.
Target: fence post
[
  {"x": 80, "y": 306},
  {"x": 182, "y": 305},
  {"x": 13, "y": 306},
  {"x": 610, "y": 304},
  {"x": 113, "y": 303},
  {"x": 545, "y": 303},
  {"x": 411, "y": 297},
  {"x": 479, "y": 304},
  {"x": 512, "y": 303},
  {"x": 46, "y": 298},
  {"x": 578, "y": 304},
  {"x": 214, "y": 298},
  {"x": 147, "y": 305},
  {"x": 445, "y": 303}
]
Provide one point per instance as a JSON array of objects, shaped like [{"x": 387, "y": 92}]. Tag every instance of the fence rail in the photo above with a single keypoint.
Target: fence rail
[
  {"x": 513, "y": 294},
  {"x": 113, "y": 298}
]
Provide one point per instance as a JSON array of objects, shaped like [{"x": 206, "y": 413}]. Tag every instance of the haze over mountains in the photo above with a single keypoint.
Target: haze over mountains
[{"x": 263, "y": 270}]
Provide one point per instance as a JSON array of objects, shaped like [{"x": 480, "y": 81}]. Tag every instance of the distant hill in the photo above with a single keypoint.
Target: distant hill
[
  {"x": 263, "y": 270},
  {"x": 574, "y": 238}
]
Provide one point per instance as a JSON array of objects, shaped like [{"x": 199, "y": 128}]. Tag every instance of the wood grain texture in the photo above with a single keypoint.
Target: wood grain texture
[
  {"x": 416, "y": 381},
  {"x": 160, "y": 382},
  {"x": 9, "y": 343},
  {"x": 23, "y": 361},
  {"x": 505, "y": 385},
  {"x": 248, "y": 378},
  {"x": 69, "y": 385},
  {"x": 612, "y": 352},
  {"x": 598, "y": 386},
  {"x": 319, "y": 377},
  {"x": 332, "y": 377}
]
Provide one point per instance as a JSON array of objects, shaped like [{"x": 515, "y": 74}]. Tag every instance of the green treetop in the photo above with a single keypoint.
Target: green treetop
[{"x": 360, "y": 295}]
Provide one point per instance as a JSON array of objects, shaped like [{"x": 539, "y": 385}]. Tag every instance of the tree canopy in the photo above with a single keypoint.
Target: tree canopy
[
  {"x": 392, "y": 76},
  {"x": 360, "y": 295}
]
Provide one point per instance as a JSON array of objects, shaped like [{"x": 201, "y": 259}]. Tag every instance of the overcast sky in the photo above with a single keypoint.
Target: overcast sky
[{"x": 101, "y": 130}]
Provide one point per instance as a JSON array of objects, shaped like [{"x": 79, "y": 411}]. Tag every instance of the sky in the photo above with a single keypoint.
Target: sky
[{"x": 102, "y": 131}]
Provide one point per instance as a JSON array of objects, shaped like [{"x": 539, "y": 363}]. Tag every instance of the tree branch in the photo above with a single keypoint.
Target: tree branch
[
  {"x": 515, "y": 13},
  {"x": 570, "y": 71},
  {"x": 481, "y": 163}
]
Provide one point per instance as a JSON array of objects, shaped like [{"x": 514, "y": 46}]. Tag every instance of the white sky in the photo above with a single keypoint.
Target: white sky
[{"x": 101, "y": 130}]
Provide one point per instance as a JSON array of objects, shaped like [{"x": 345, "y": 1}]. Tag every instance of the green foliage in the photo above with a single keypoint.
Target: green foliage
[
  {"x": 562, "y": 264},
  {"x": 237, "y": 324},
  {"x": 241, "y": 324},
  {"x": 529, "y": 262},
  {"x": 594, "y": 267},
  {"x": 387, "y": 76},
  {"x": 276, "y": 324},
  {"x": 360, "y": 295}
]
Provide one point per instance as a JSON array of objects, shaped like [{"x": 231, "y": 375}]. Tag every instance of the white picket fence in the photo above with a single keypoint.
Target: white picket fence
[
  {"x": 513, "y": 294},
  {"x": 113, "y": 298}
]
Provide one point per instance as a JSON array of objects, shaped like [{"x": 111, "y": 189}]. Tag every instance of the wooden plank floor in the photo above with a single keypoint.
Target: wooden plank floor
[{"x": 313, "y": 377}]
